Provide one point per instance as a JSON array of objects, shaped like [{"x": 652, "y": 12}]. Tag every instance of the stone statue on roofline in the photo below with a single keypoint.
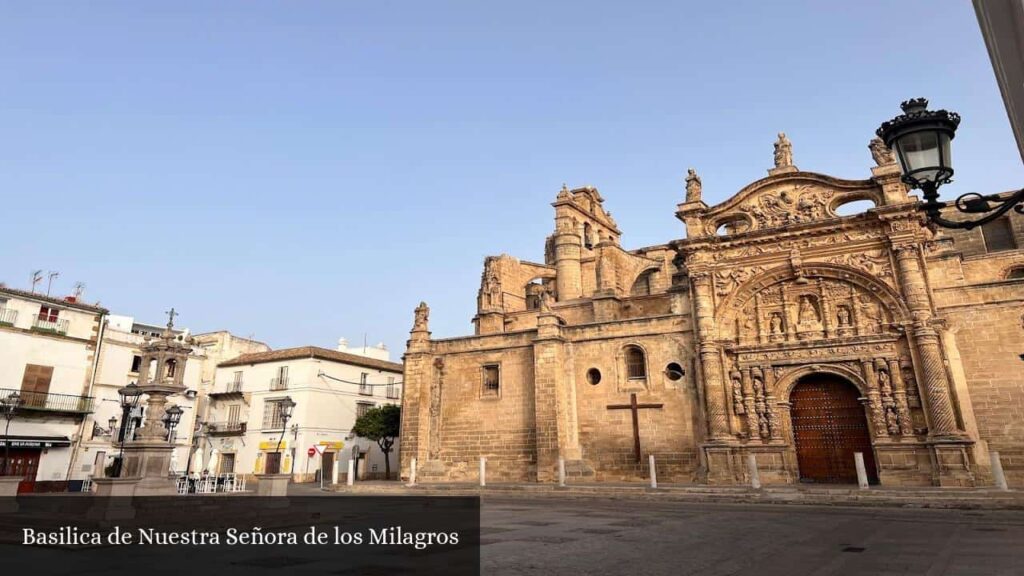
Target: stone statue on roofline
[
  {"x": 693, "y": 186},
  {"x": 783, "y": 151},
  {"x": 880, "y": 152},
  {"x": 422, "y": 316}
]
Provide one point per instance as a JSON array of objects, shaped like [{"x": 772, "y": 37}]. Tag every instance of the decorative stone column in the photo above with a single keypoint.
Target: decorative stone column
[
  {"x": 949, "y": 444},
  {"x": 749, "y": 407},
  {"x": 874, "y": 399},
  {"x": 899, "y": 392},
  {"x": 941, "y": 418},
  {"x": 148, "y": 456},
  {"x": 710, "y": 357}
]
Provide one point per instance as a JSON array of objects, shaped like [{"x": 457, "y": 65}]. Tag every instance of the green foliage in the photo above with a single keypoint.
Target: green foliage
[{"x": 382, "y": 425}]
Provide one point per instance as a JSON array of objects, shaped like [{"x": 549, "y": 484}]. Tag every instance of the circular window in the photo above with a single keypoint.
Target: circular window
[
  {"x": 594, "y": 376},
  {"x": 674, "y": 371}
]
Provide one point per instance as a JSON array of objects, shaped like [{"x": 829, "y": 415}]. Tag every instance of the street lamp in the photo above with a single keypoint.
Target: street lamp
[
  {"x": 130, "y": 396},
  {"x": 8, "y": 405},
  {"x": 286, "y": 406},
  {"x": 921, "y": 139},
  {"x": 171, "y": 418}
]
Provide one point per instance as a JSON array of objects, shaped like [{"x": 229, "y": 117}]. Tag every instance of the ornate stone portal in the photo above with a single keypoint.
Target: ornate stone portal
[{"x": 161, "y": 372}]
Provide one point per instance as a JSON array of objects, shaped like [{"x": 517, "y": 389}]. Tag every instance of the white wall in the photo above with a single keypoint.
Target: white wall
[{"x": 325, "y": 412}]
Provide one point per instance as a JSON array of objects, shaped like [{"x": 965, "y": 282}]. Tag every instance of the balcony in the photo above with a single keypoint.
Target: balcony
[
  {"x": 231, "y": 390},
  {"x": 45, "y": 402},
  {"x": 8, "y": 316},
  {"x": 392, "y": 392},
  {"x": 278, "y": 384},
  {"x": 55, "y": 326},
  {"x": 225, "y": 428}
]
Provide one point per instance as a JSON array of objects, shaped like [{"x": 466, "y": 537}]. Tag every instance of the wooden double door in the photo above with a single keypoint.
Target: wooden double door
[
  {"x": 24, "y": 463},
  {"x": 829, "y": 426}
]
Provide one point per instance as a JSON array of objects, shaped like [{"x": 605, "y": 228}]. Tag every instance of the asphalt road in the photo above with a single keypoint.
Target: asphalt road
[{"x": 629, "y": 537}]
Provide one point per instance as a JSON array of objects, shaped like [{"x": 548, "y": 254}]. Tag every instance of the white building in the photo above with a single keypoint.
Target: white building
[
  {"x": 48, "y": 354},
  {"x": 118, "y": 366},
  {"x": 330, "y": 388}
]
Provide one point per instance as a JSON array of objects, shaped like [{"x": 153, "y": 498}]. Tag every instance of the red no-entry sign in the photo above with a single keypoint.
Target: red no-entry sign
[{"x": 311, "y": 452}]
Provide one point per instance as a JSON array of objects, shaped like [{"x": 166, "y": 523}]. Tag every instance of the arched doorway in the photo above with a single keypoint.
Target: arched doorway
[{"x": 829, "y": 425}]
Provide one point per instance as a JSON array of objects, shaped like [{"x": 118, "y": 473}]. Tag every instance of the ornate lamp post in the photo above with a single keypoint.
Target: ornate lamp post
[
  {"x": 286, "y": 406},
  {"x": 172, "y": 416},
  {"x": 130, "y": 396},
  {"x": 921, "y": 139},
  {"x": 8, "y": 405}
]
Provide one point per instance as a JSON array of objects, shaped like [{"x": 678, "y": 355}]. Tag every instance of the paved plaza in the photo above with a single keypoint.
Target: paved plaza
[{"x": 630, "y": 537}]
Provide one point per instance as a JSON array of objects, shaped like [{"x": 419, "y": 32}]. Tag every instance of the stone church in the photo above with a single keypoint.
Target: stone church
[{"x": 777, "y": 327}]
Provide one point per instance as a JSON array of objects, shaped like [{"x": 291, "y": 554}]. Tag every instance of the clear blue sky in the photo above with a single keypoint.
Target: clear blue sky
[{"x": 306, "y": 170}]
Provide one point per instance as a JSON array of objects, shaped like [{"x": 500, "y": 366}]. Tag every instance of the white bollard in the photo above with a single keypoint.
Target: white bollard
[
  {"x": 998, "y": 477},
  {"x": 862, "y": 473},
  {"x": 334, "y": 472},
  {"x": 561, "y": 471},
  {"x": 755, "y": 474},
  {"x": 653, "y": 469},
  {"x": 483, "y": 471},
  {"x": 351, "y": 472},
  {"x": 412, "y": 473}
]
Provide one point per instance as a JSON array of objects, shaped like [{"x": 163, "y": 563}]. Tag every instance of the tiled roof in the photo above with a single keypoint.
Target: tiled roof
[
  {"x": 44, "y": 298},
  {"x": 312, "y": 352}
]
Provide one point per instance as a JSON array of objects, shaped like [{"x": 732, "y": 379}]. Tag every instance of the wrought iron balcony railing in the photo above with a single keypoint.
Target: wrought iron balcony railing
[
  {"x": 46, "y": 402},
  {"x": 225, "y": 428},
  {"x": 58, "y": 326},
  {"x": 8, "y": 316},
  {"x": 279, "y": 383},
  {"x": 230, "y": 390}
]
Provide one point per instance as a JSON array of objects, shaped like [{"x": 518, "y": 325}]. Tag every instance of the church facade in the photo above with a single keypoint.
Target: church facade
[{"x": 776, "y": 328}]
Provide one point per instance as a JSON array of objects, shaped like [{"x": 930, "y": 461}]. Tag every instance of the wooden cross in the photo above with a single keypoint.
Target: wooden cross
[{"x": 634, "y": 407}]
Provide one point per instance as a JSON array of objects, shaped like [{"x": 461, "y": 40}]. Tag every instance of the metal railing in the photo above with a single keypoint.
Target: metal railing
[
  {"x": 392, "y": 391},
  {"x": 8, "y": 316},
  {"x": 279, "y": 383},
  {"x": 60, "y": 325},
  {"x": 366, "y": 390},
  {"x": 225, "y": 428},
  {"x": 235, "y": 386},
  {"x": 50, "y": 402}
]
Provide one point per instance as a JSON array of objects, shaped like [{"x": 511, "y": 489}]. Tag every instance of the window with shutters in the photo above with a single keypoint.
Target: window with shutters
[
  {"x": 233, "y": 412},
  {"x": 272, "y": 418},
  {"x": 35, "y": 383},
  {"x": 998, "y": 235},
  {"x": 636, "y": 363},
  {"x": 48, "y": 314}
]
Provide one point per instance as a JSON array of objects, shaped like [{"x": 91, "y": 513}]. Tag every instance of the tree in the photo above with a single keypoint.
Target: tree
[{"x": 382, "y": 425}]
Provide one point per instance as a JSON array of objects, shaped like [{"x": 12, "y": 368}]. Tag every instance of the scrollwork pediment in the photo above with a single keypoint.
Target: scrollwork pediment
[{"x": 787, "y": 199}]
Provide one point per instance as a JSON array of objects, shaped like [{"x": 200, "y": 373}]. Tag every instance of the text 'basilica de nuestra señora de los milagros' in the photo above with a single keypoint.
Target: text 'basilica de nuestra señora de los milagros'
[{"x": 776, "y": 327}]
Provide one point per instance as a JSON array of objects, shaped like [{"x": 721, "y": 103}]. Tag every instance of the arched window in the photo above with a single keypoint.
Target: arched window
[
  {"x": 636, "y": 364},
  {"x": 588, "y": 241},
  {"x": 642, "y": 286}
]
